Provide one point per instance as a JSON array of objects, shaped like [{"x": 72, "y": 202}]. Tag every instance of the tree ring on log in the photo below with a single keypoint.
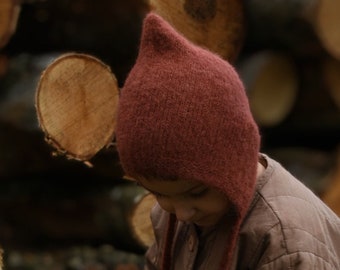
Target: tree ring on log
[{"x": 76, "y": 103}]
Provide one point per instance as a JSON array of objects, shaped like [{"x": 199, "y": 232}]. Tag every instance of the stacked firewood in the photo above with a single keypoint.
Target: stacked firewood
[
  {"x": 290, "y": 64},
  {"x": 287, "y": 54}
]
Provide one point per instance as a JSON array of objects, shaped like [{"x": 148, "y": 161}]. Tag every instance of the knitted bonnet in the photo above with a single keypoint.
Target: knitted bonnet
[{"x": 183, "y": 114}]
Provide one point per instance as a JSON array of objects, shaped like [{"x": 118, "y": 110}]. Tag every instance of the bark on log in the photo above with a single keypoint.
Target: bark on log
[
  {"x": 215, "y": 24},
  {"x": 76, "y": 104},
  {"x": 272, "y": 84},
  {"x": 9, "y": 13}
]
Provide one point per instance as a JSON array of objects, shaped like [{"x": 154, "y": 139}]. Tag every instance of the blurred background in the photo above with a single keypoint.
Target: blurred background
[{"x": 57, "y": 213}]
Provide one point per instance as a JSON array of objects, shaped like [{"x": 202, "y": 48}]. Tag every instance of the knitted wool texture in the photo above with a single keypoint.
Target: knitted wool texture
[{"x": 183, "y": 114}]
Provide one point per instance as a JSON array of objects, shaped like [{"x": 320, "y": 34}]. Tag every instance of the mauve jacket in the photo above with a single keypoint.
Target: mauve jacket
[{"x": 286, "y": 227}]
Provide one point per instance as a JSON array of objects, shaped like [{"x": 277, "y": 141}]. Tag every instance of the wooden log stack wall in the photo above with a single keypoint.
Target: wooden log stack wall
[
  {"x": 286, "y": 52},
  {"x": 289, "y": 64}
]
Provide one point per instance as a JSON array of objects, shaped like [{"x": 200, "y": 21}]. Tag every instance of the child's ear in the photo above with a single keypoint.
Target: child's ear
[{"x": 76, "y": 104}]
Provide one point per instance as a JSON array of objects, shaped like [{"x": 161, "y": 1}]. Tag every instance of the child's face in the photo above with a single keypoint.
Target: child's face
[{"x": 189, "y": 201}]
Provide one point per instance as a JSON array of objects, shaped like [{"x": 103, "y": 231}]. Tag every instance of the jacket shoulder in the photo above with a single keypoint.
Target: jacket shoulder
[{"x": 288, "y": 223}]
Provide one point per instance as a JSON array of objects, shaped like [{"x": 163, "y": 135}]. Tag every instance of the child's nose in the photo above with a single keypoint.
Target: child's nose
[{"x": 184, "y": 213}]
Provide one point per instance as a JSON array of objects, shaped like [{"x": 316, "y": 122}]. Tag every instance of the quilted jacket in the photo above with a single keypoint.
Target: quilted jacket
[{"x": 287, "y": 227}]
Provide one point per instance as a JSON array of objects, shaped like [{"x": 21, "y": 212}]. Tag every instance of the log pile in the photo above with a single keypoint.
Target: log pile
[
  {"x": 287, "y": 54},
  {"x": 297, "y": 32}
]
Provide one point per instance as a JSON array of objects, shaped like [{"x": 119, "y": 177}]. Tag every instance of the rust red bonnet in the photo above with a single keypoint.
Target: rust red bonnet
[{"x": 184, "y": 114}]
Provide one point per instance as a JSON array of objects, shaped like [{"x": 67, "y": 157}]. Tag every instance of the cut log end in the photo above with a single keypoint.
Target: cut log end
[
  {"x": 327, "y": 26},
  {"x": 272, "y": 85},
  {"x": 76, "y": 102},
  {"x": 140, "y": 220},
  {"x": 217, "y": 25},
  {"x": 9, "y": 13}
]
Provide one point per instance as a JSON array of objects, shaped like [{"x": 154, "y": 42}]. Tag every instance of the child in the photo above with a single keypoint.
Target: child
[{"x": 185, "y": 132}]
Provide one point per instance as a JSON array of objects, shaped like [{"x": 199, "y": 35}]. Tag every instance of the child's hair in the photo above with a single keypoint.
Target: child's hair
[{"x": 184, "y": 114}]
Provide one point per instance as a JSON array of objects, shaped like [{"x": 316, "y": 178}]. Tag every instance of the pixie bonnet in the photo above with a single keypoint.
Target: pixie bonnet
[{"x": 184, "y": 114}]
